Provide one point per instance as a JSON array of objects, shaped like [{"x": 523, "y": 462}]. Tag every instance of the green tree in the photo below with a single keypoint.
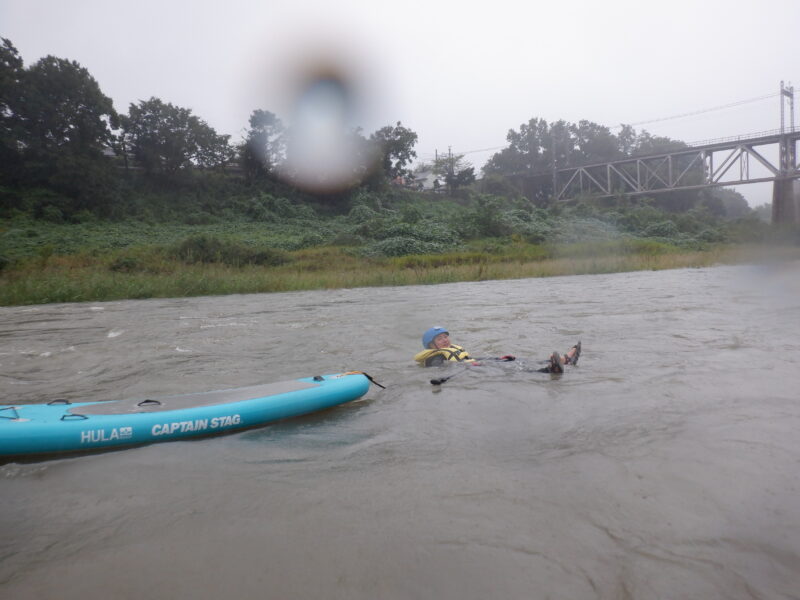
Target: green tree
[
  {"x": 396, "y": 146},
  {"x": 64, "y": 124},
  {"x": 626, "y": 140},
  {"x": 264, "y": 149},
  {"x": 11, "y": 82},
  {"x": 454, "y": 170},
  {"x": 645, "y": 143},
  {"x": 592, "y": 143},
  {"x": 460, "y": 178},
  {"x": 213, "y": 150},
  {"x": 527, "y": 150},
  {"x": 733, "y": 203},
  {"x": 165, "y": 138},
  {"x": 64, "y": 109},
  {"x": 764, "y": 212}
]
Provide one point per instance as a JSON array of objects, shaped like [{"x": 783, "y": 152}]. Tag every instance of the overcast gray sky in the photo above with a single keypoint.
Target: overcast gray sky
[{"x": 459, "y": 73}]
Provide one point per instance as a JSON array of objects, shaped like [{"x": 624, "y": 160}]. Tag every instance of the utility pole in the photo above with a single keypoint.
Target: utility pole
[
  {"x": 450, "y": 170},
  {"x": 555, "y": 174},
  {"x": 789, "y": 93}
]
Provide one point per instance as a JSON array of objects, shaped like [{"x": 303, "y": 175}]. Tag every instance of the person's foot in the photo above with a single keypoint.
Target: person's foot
[
  {"x": 572, "y": 356},
  {"x": 555, "y": 363}
]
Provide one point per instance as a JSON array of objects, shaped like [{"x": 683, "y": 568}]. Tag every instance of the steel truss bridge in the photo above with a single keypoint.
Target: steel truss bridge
[{"x": 723, "y": 162}]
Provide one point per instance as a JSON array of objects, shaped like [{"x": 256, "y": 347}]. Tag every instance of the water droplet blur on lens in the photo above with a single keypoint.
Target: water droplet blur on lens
[
  {"x": 324, "y": 152},
  {"x": 328, "y": 90}
]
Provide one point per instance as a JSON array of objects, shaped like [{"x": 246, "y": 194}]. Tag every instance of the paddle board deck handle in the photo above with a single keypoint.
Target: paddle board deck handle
[
  {"x": 149, "y": 402},
  {"x": 73, "y": 417},
  {"x": 59, "y": 401},
  {"x": 12, "y": 409}
]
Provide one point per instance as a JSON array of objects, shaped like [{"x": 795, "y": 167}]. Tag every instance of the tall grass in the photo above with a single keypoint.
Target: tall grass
[{"x": 153, "y": 273}]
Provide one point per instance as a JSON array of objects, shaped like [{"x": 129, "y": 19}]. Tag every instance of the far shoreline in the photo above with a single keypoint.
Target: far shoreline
[{"x": 79, "y": 279}]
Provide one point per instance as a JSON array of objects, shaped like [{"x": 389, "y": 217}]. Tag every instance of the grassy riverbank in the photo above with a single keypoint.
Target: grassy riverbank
[
  {"x": 151, "y": 273},
  {"x": 269, "y": 244}
]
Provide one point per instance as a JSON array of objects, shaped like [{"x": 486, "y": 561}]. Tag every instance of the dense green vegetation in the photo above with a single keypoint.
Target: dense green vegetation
[
  {"x": 393, "y": 238},
  {"x": 380, "y": 225}
]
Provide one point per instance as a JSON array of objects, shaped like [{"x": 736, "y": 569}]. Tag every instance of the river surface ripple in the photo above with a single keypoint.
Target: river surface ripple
[{"x": 665, "y": 465}]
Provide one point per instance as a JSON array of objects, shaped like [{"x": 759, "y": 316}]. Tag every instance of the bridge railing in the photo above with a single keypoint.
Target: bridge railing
[{"x": 744, "y": 136}]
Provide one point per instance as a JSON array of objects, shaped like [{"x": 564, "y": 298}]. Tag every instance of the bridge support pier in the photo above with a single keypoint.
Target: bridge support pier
[{"x": 786, "y": 201}]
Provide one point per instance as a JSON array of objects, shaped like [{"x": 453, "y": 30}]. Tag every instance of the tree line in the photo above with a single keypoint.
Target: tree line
[
  {"x": 60, "y": 132},
  {"x": 62, "y": 137}
]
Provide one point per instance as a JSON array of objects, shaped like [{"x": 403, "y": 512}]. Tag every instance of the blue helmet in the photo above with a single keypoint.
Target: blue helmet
[{"x": 428, "y": 336}]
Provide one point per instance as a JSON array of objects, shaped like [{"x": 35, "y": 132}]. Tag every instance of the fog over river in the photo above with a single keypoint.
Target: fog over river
[{"x": 665, "y": 465}]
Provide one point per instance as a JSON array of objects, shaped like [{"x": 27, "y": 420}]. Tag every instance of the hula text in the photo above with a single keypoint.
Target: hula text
[{"x": 94, "y": 436}]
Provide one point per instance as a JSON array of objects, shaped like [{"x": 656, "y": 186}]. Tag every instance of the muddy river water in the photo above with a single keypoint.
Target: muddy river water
[{"x": 665, "y": 465}]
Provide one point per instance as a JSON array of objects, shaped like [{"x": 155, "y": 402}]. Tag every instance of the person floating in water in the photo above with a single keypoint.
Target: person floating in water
[{"x": 439, "y": 349}]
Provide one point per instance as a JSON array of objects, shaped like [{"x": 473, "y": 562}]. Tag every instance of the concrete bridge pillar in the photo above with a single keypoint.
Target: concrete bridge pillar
[{"x": 786, "y": 201}]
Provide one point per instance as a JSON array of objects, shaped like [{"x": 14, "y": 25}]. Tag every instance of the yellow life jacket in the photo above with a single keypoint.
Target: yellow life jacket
[{"x": 451, "y": 353}]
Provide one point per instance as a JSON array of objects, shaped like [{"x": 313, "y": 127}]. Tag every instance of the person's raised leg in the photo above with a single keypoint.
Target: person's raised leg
[{"x": 573, "y": 354}]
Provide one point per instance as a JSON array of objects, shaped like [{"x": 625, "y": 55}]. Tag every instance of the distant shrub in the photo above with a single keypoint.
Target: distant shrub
[
  {"x": 535, "y": 232},
  {"x": 361, "y": 213},
  {"x": 498, "y": 185},
  {"x": 583, "y": 230},
  {"x": 269, "y": 257},
  {"x": 495, "y": 246},
  {"x": 748, "y": 229},
  {"x": 368, "y": 199},
  {"x": 411, "y": 213},
  {"x": 485, "y": 219},
  {"x": 644, "y": 247},
  {"x": 436, "y": 231},
  {"x": 125, "y": 264},
  {"x": 304, "y": 211},
  {"x": 84, "y": 216},
  {"x": 282, "y": 207},
  {"x": 634, "y": 219},
  {"x": 345, "y": 238},
  {"x": 52, "y": 214},
  {"x": 396, "y": 229},
  {"x": 43, "y": 255},
  {"x": 200, "y": 249},
  {"x": 393, "y": 228},
  {"x": 711, "y": 235},
  {"x": 417, "y": 261},
  {"x": 662, "y": 229},
  {"x": 311, "y": 239},
  {"x": 198, "y": 218},
  {"x": 210, "y": 249},
  {"x": 401, "y": 246}
]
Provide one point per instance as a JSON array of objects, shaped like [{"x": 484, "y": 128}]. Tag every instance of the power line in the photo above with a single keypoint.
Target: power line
[
  {"x": 433, "y": 154},
  {"x": 481, "y": 150},
  {"x": 704, "y": 110},
  {"x": 658, "y": 120}
]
